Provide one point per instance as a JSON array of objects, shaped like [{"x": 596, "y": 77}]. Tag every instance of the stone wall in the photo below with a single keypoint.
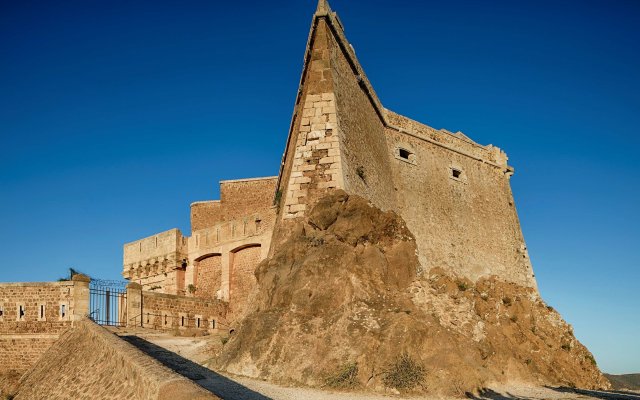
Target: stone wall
[
  {"x": 466, "y": 224},
  {"x": 157, "y": 262},
  {"x": 208, "y": 281},
  {"x": 18, "y": 353},
  {"x": 238, "y": 199},
  {"x": 171, "y": 263},
  {"x": 243, "y": 279},
  {"x": 89, "y": 362},
  {"x": 33, "y": 315},
  {"x": 247, "y": 196},
  {"x": 453, "y": 193},
  {"x": 205, "y": 214},
  {"x": 169, "y": 246},
  {"x": 366, "y": 161},
  {"x": 168, "y": 312}
]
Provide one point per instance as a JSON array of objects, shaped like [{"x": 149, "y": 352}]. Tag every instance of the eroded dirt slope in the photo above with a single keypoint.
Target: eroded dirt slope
[{"x": 344, "y": 296}]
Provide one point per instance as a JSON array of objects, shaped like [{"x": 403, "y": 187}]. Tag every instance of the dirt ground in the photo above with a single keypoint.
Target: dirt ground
[{"x": 189, "y": 355}]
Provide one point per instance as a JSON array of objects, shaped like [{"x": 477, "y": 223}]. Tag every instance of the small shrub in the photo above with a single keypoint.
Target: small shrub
[
  {"x": 345, "y": 378},
  {"x": 277, "y": 198},
  {"x": 514, "y": 318},
  {"x": 550, "y": 308},
  {"x": 192, "y": 289},
  {"x": 360, "y": 173},
  {"x": 565, "y": 346},
  {"x": 462, "y": 286},
  {"x": 591, "y": 359},
  {"x": 506, "y": 301},
  {"x": 527, "y": 361},
  {"x": 404, "y": 374},
  {"x": 224, "y": 340}
]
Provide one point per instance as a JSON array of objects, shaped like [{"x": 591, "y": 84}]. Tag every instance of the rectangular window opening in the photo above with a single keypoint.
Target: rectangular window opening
[
  {"x": 182, "y": 321},
  {"x": 456, "y": 173},
  {"x": 404, "y": 153},
  {"x": 165, "y": 320},
  {"x": 198, "y": 322},
  {"x": 21, "y": 312},
  {"x": 63, "y": 310},
  {"x": 213, "y": 324},
  {"x": 41, "y": 311}
]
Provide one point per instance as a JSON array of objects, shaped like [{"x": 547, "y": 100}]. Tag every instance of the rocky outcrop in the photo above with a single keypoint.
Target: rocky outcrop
[{"x": 343, "y": 302}]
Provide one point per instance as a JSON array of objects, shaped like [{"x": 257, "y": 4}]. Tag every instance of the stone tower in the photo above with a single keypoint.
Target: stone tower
[{"x": 453, "y": 193}]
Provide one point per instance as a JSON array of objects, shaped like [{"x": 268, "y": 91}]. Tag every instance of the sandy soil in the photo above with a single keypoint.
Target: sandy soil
[{"x": 186, "y": 355}]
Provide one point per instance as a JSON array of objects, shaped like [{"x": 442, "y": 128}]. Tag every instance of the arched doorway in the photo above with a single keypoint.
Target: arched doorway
[
  {"x": 244, "y": 261},
  {"x": 208, "y": 275}
]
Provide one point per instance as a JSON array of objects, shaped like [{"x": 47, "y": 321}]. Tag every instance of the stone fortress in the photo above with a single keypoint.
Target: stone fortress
[
  {"x": 453, "y": 193},
  {"x": 454, "y": 196}
]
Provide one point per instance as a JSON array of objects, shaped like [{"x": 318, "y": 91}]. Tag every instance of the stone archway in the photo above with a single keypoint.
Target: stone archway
[
  {"x": 207, "y": 276},
  {"x": 243, "y": 262}
]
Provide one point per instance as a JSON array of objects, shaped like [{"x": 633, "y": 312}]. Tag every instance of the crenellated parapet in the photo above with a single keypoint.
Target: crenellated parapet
[
  {"x": 229, "y": 231},
  {"x": 229, "y": 238}
]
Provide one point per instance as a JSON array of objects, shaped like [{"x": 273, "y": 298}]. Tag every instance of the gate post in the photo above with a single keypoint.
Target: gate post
[
  {"x": 134, "y": 305},
  {"x": 80, "y": 296}
]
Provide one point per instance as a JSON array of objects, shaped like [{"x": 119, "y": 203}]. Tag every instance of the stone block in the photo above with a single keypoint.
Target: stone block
[
  {"x": 327, "y": 160},
  {"x": 328, "y": 96}
]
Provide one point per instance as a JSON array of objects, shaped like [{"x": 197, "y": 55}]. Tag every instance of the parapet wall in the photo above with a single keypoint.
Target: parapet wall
[
  {"x": 89, "y": 362},
  {"x": 238, "y": 199},
  {"x": 165, "y": 249},
  {"x": 33, "y": 315},
  {"x": 167, "y": 312}
]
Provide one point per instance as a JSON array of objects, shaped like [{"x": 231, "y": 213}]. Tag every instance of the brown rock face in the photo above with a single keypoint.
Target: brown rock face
[{"x": 344, "y": 297}]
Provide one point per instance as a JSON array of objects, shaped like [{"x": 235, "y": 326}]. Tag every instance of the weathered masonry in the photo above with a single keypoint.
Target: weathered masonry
[
  {"x": 229, "y": 237},
  {"x": 453, "y": 193},
  {"x": 34, "y": 314}
]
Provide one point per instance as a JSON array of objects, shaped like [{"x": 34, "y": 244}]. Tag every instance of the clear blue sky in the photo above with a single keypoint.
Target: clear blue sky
[{"x": 115, "y": 116}]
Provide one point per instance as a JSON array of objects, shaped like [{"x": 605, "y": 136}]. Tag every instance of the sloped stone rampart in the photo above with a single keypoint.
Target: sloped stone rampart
[{"x": 89, "y": 362}]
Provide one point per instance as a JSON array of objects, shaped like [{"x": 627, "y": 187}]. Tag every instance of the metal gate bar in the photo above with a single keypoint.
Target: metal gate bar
[{"x": 108, "y": 304}]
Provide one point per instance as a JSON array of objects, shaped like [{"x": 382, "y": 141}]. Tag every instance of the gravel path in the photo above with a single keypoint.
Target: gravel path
[{"x": 174, "y": 352}]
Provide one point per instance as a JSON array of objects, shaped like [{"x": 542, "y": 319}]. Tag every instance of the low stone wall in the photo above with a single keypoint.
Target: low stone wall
[
  {"x": 89, "y": 362},
  {"x": 33, "y": 315},
  {"x": 18, "y": 353},
  {"x": 167, "y": 311}
]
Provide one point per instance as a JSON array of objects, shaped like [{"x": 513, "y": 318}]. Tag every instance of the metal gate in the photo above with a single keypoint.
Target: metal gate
[{"x": 108, "y": 302}]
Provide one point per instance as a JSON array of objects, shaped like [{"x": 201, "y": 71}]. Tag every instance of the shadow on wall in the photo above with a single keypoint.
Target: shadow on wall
[
  {"x": 215, "y": 383},
  {"x": 608, "y": 395}
]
